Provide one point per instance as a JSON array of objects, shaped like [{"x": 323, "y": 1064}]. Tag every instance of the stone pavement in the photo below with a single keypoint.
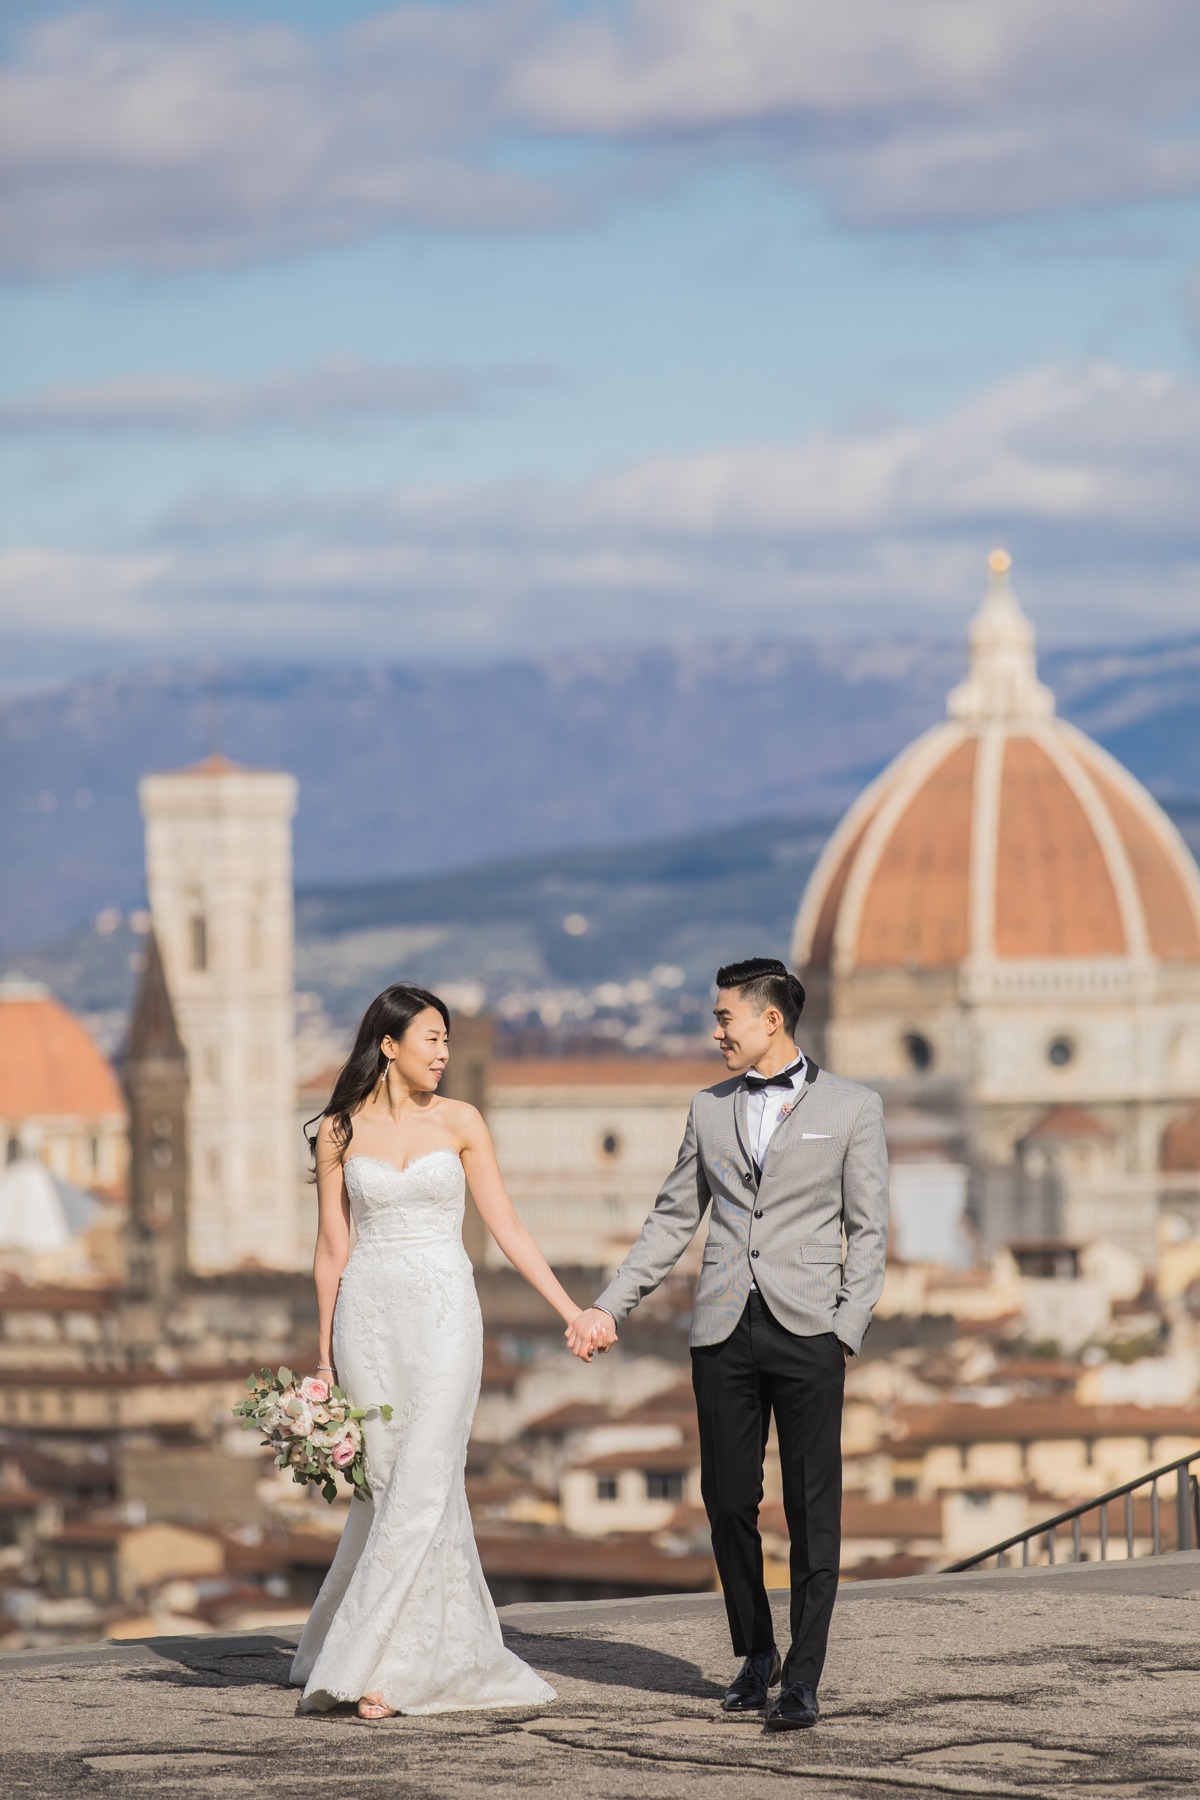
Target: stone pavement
[{"x": 1061, "y": 1682}]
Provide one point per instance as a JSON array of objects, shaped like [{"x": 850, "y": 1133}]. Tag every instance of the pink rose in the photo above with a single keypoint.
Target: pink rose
[
  {"x": 314, "y": 1390},
  {"x": 344, "y": 1453},
  {"x": 298, "y": 1421}
]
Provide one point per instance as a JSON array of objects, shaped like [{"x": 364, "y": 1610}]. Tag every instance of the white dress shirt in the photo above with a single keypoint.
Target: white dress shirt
[
  {"x": 765, "y": 1109},
  {"x": 768, "y": 1106}
]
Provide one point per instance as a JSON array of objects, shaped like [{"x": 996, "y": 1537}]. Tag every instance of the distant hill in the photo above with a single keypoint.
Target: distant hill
[
  {"x": 541, "y": 939},
  {"x": 547, "y": 928},
  {"x": 405, "y": 772}
]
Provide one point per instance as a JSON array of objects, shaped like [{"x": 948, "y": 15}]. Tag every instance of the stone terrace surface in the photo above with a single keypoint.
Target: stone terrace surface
[{"x": 1070, "y": 1681}]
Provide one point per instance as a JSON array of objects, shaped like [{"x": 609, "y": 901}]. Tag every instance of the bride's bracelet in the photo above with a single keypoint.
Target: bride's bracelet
[{"x": 328, "y": 1366}]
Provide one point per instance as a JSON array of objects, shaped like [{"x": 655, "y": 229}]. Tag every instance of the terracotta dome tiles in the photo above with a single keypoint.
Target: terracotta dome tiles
[
  {"x": 821, "y": 952},
  {"x": 1171, "y": 922},
  {"x": 916, "y": 910},
  {"x": 1054, "y": 894},
  {"x": 50, "y": 1067},
  {"x": 1081, "y": 863}
]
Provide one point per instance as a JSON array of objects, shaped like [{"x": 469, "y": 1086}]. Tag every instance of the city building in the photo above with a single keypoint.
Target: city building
[
  {"x": 63, "y": 1142},
  {"x": 1005, "y": 930},
  {"x": 585, "y": 1143},
  {"x": 219, "y": 880},
  {"x": 59, "y": 1098},
  {"x": 156, "y": 1086}
]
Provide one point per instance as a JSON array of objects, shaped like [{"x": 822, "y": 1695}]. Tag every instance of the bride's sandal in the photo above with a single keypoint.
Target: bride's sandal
[{"x": 371, "y": 1707}]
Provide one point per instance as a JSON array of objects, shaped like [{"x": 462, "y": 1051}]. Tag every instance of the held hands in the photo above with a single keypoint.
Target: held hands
[{"x": 590, "y": 1331}]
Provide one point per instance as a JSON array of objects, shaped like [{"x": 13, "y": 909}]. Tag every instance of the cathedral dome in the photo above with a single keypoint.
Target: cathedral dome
[
  {"x": 49, "y": 1066},
  {"x": 1003, "y": 835}
]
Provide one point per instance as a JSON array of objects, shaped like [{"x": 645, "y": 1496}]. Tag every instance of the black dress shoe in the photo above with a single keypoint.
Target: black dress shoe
[
  {"x": 748, "y": 1693},
  {"x": 795, "y": 1708}
]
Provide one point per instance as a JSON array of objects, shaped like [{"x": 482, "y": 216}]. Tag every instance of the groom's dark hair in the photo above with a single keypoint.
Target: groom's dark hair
[{"x": 764, "y": 981}]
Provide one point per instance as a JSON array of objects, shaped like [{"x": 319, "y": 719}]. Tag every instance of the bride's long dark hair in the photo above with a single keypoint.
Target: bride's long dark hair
[{"x": 389, "y": 1015}]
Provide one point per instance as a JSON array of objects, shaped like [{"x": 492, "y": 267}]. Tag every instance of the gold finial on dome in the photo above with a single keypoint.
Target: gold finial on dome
[{"x": 1002, "y": 682}]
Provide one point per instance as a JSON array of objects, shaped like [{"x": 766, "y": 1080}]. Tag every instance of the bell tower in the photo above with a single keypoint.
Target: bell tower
[
  {"x": 219, "y": 880},
  {"x": 155, "y": 1077}
]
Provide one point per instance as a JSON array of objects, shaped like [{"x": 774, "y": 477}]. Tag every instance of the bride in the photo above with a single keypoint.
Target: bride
[{"x": 404, "y": 1622}]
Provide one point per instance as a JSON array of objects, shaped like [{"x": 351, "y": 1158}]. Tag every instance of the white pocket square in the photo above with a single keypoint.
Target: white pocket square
[{"x": 816, "y": 1134}]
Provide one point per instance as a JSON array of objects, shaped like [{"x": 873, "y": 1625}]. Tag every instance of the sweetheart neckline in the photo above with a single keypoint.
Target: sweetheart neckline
[{"x": 385, "y": 1163}]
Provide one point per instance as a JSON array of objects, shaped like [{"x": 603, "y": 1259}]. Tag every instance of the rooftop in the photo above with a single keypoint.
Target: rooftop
[
  {"x": 1028, "y": 1421},
  {"x": 607, "y": 1071},
  {"x": 1046, "y": 1683},
  {"x": 49, "y": 1066},
  {"x": 1003, "y": 835}
]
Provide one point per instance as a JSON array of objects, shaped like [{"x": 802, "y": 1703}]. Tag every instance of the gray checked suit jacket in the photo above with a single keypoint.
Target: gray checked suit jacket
[{"x": 825, "y": 1178}]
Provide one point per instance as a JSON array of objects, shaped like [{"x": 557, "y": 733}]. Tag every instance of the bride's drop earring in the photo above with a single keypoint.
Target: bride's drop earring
[{"x": 387, "y": 1069}]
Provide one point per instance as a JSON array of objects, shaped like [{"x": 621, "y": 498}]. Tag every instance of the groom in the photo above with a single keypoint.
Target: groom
[{"x": 791, "y": 1158}]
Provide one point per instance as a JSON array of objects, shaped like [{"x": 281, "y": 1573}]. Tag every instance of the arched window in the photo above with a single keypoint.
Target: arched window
[
  {"x": 199, "y": 944},
  {"x": 918, "y": 1050}
]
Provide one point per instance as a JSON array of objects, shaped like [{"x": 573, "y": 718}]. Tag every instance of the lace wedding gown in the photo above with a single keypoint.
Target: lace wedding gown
[{"x": 404, "y": 1611}]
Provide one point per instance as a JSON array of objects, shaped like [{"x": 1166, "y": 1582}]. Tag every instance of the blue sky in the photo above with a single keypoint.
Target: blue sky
[{"x": 425, "y": 331}]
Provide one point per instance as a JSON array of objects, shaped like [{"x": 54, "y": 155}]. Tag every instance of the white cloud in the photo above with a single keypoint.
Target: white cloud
[
  {"x": 929, "y": 111},
  {"x": 177, "y": 142},
  {"x": 337, "y": 389},
  {"x": 173, "y": 141},
  {"x": 1089, "y": 475}
]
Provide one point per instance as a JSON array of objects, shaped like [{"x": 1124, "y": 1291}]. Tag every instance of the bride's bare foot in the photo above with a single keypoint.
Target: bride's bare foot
[{"x": 372, "y": 1707}]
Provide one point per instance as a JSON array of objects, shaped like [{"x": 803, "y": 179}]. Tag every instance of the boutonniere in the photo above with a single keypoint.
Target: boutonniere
[{"x": 787, "y": 1107}]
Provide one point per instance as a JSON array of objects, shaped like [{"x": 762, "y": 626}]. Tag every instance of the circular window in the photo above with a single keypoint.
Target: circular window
[
  {"x": 918, "y": 1050},
  {"x": 1060, "y": 1051},
  {"x": 610, "y": 1144}
]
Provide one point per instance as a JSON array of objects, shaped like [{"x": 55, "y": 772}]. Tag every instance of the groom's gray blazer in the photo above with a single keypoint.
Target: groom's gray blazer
[{"x": 825, "y": 1178}]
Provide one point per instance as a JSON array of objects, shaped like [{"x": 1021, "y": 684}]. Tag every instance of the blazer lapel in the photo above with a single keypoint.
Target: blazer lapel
[
  {"x": 742, "y": 1126},
  {"x": 811, "y": 1072}
]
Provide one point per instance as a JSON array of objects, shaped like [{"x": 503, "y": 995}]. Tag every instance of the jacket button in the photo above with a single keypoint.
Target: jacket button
[
  {"x": 758, "y": 1215},
  {"x": 754, "y": 1253},
  {"x": 746, "y": 1178}
]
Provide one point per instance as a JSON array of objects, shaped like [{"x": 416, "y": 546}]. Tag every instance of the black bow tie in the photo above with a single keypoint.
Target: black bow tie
[{"x": 756, "y": 1083}]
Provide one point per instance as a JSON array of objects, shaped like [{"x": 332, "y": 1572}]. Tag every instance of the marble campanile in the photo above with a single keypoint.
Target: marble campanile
[{"x": 219, "y": 880}]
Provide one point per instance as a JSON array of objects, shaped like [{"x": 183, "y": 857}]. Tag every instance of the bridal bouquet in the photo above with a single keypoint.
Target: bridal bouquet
[{"x": 311, "y": 1427}]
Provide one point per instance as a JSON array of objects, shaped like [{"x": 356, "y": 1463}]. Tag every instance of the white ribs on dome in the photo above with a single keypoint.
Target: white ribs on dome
[{"x": 1002, "y": 835}]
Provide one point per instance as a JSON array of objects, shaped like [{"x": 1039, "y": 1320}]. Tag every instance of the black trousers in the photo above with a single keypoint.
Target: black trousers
[{"x": 762, "y": 1369}]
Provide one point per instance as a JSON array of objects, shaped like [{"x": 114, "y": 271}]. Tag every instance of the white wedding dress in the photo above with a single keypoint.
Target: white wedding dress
[{"x": 404, "y": 1611}]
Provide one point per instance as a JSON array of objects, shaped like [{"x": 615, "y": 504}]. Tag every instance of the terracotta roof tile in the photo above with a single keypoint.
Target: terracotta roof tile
[
  {"x": 666, "y": 1459},
  {"x": 607, "y": 1071},
  {"x": 1180, "y": 1152},
  {"x": 916, "y": 909},
  {"x": 1027, "y": 1421},
  {"x": 1054, "y": 894},
  {"x": 49, "y": 1066},
  {"x": 821, "y": 953},
  {"x": 1068, "y": 1122},
  {"x": 573, "y": 1415},
  {"x": 1171, "y": 921}
]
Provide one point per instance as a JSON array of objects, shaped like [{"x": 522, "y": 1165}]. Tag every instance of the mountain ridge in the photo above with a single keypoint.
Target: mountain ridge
[{"x": 411, "y": 770}]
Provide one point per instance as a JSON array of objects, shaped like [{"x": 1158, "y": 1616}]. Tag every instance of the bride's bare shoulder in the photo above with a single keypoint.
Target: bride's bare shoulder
[{"x": 463, "y": 1119}]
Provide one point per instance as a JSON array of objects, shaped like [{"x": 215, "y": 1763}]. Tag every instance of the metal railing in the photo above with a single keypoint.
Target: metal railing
[{"x": 1186, "y": 1533}]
